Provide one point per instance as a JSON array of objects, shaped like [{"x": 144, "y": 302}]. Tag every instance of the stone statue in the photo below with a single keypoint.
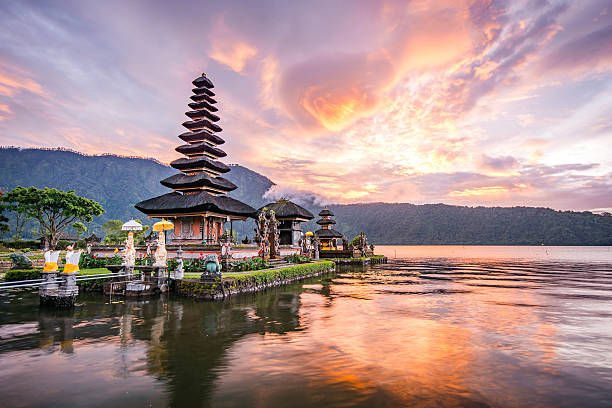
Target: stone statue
[
  {"x": 246, "y": 240},
  {"x": 179, "y": 272},
  {"x": 20, "y": 261},
  {"x": 372, "y": 248},
  {"x": 262, "y": 235},
  {"x": 160, "y": 256},
  {"x": 129, "y": 258},
  {"x": 275, "y": 233},
  {"x": 317, "y": 245},
  {"x": 345, "y": 244},
  {"x": 213, "y": 267}
]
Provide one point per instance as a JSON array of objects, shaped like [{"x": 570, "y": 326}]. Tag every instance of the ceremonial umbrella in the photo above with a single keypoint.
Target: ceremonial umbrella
[
  {"x": 163, "y": 225},
  {"x": 309, "y": 234},
  {"x": 131, "y": 225}
]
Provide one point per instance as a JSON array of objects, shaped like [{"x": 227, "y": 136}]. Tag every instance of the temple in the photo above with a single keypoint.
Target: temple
[
  {"x": 198, "y": 206},
  {"x": 326, "y": 235},
  {"x": 290, "y": 216}
]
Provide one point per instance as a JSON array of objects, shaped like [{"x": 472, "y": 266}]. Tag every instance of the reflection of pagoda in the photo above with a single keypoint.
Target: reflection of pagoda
[
  {"x": 199, "y": 204},
  {"x": 326, "y": 235}
]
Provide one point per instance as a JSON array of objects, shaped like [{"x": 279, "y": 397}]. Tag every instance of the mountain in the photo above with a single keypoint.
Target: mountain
[
  {"x": 120, "y": 182},
  {"x": 115, "y": 182}
]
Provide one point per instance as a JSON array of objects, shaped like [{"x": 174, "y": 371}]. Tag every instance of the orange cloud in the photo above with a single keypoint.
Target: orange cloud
[
  {"x": 228, "y": 49},
  {"x": 12, "y": 84},
  {"x": 5, "y": 112},
  {"x": 480, "y": 191}
]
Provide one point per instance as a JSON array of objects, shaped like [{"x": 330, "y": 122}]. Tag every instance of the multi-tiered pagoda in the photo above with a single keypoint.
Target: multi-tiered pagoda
[
  {"x": 327, "y": 235},
  {"x": 199, "y": 205}
]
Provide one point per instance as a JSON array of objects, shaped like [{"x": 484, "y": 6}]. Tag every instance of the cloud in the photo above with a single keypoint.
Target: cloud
[
  {"x": 590, "y": 52},
  {"x": 502, "y": 163},
  {"x": 227, "y": 48}
]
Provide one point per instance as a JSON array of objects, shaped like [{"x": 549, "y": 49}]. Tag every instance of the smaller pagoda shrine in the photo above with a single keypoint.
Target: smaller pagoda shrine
[
  {"x": 290, "y": 216},
  {"x": 328, "y": 236}
]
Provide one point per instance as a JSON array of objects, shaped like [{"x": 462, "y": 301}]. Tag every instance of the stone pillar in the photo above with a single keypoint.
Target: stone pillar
[{"x": 61, "y": 296}]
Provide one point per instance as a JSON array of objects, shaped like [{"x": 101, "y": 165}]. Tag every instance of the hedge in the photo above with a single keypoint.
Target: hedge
[{"x": 269, "y": 276}]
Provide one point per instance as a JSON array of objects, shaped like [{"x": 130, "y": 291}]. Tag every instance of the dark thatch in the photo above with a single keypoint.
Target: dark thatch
[
  {"x": 199, "y": 163},
  {"x": 202, "y": 98},
  {"x": 93, "y": 238},
  {"x": 200, "y": 136},
  {"x": 201, "y": 124},
  {"x": 202, "y": 81},
  {"x": 326, "y": 213},
  {"x": 202, "y": 114},
  {"x": 287, "y": 209},
  {"x": 178, "y": 203},
  {"x": 328, "y": 233},
  {"x": 325, "y": 221},
  {"x": 184, "y": 181},
  {"x": 202, "y": 105},
  {"x": 200, "y": 148},
  {"x": 203, "y": 90}
]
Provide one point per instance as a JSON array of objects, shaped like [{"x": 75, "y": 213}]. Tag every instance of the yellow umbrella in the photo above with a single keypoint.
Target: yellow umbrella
[
  {"x": 163, "y": 225},
  {"x": 309, "y": 234}
]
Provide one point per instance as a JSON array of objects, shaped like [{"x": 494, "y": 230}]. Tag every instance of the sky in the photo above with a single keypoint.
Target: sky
[{"x": 490, "y": 103}]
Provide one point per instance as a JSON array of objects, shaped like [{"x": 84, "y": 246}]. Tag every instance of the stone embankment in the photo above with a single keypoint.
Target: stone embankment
[
  {"x": 234, "y": 284},
  {"x": 376, "y": 259}
]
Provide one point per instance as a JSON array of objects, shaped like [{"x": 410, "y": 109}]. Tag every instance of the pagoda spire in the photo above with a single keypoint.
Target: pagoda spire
[{"x": 201, "y": 170}]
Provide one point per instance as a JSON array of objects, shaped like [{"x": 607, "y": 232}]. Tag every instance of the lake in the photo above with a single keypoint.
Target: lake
[{"x": 438, "y": 326}]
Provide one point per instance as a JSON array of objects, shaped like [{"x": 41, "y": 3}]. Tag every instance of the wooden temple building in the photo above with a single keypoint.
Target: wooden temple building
[
  {"x": 328, "y": 236},
  {"x": 198, "y": 206},
  {"x": 290, "y": 216}
]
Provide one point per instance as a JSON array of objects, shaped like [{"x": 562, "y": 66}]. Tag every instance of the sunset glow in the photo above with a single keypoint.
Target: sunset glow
[{"x": 461, "y": 102}]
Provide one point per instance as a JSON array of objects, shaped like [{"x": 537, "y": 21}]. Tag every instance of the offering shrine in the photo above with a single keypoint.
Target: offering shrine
[
  {"x": 328, "y": 236},
  {"x": 289, "y": 216},
  {"x": 199, "y": 206}
]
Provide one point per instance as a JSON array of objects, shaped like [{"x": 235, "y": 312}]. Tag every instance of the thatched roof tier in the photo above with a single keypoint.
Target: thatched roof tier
[
  {"x": 201, "y": 124},
  {"x": 326, "y": 213},
  {"x": 203, "y": 98},
  {"x": 199, "y": 149},
  {"x": 177, "y": 203},
  {"x": 325, "y": 221},
  {"x": 284, "y": 209},
  {"x": 328, "y": 233},
  {"x": 203, "y": 90},
  {"x": 199, "y": 163},
  {"x": 200, "y": 136},
  {"x": 202, "y": 114},
  {"x": 202, "y": 81},
  {"x": 202, "y": 105},
  {"x": 201, "y": 180}
]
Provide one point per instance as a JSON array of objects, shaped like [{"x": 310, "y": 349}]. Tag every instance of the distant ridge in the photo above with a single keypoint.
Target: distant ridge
[{"x": 118, "y": 182}]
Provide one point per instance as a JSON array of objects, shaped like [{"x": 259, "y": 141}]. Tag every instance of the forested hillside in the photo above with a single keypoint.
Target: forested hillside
[
  {"x": 120, "y": 182},
  {"x": 115, "y": 182}
]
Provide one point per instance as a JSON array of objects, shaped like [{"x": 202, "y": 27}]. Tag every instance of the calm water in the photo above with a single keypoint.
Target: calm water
[{"x": 438, "y": 326}]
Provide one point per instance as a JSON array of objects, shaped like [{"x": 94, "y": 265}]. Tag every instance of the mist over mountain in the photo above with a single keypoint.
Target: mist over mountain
[{"x": 119, "y": 182}]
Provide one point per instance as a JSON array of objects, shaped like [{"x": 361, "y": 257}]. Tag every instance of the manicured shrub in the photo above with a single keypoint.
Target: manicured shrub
[
  {"x": 298, "y": 258},
  {"x": 22, "y": 274},
  {"x": 250, "y": 264}
]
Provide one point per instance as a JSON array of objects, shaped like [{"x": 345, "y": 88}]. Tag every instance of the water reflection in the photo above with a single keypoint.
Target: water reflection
[{"x": 425, "y": 332}]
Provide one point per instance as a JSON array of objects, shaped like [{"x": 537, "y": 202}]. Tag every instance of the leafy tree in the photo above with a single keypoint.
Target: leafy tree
[
  {"x": 20, "y": 210},
  {"x": 55, "y": 210},
  {"x": 4, "y": 227},
  {"x": 79, "y": 228}
]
